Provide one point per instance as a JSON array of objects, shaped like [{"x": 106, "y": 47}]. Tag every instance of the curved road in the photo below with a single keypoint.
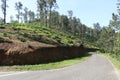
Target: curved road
[{"x": 95, "y": 68}]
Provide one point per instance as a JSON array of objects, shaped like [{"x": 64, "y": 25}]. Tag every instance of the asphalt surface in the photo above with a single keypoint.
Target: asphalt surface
[{"x": 95, "y": 68}]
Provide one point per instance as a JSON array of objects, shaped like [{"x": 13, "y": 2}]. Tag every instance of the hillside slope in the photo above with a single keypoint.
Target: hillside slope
[
  {"x": 33, "y": 44},
  {"x": 25, "y": 33}
]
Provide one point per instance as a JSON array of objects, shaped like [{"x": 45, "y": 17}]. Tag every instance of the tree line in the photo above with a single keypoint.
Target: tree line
[{"x": 108, "y": 37}]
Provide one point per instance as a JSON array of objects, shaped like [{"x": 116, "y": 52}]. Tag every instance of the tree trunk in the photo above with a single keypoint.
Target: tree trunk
[
  {"x": 45, "y": 17},
  {"x": 5, "y": 12},
  {"x": 50, "y": 18}
]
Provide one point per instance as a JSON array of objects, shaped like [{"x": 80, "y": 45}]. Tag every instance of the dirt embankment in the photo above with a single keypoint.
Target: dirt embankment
[{"x": 12, "y": 54}]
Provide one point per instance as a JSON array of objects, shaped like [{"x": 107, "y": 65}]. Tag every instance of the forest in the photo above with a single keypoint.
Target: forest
[{"x": 106, "y": 38}]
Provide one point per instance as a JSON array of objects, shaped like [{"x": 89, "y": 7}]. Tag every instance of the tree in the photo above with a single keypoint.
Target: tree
[
  {"x": 115, "y": 25},
  {"x": 74, "y": 24},
  {"x": 54, "y": 18},
  {"x": 64, "y": 21},
  {"x": 46, "y": 14},
  {"x": 17, "y": 16},
  {"x": 22, "y": 17},
  {"x": 70, "y": 14},
  {"x": 83, "y": 31},
  {"x": 51, "y": 4},
  {"x": 31, "y": 16},
  {"x": 37, "y": 15},
  {"x": 106, "y": 39},
  {"x": 115, "y": 22},
  {"x": 79, "y": 28},
  {"x": 18, "y": 6},
  {"x": 1, "y": 20},
  {"x": 42, "y": 9},
  {"x": 4, "y": 7},
  {"x": 11, "y": 18},
  {"x": 25, "y": 15},
  {"x": 96, "y": 30}
]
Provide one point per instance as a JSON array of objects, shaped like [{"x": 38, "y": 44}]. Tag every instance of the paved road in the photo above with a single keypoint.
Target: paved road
[{"x": 95, "y": 68}]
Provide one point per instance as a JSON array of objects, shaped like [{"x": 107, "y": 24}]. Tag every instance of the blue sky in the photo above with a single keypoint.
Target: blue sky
[{"x": 89, "y": 11}]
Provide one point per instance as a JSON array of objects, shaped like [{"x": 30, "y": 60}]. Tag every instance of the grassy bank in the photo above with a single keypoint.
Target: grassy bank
[{"x": 48, "y": 66}]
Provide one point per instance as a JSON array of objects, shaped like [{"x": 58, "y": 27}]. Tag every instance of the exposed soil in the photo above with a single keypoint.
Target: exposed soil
[
  {"x": 17, "y": 48},
  {"x": 35, "y": 53},
  {"x": 10, "y": 48}
]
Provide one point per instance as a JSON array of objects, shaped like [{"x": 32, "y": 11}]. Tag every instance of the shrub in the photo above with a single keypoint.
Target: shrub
[{"x": 22, "y": 39}]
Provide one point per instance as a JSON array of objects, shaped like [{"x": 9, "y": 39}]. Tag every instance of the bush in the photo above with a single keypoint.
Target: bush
[
  {"x": 5, "y": 35},
  {"x": 22, "y": 39}
]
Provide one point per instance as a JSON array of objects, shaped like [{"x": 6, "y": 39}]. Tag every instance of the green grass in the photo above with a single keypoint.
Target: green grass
[
  {"x": 54, "y": 65},
  {"x": 115, "y": 62}
]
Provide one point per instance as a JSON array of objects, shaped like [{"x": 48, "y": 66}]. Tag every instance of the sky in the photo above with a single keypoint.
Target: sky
[{"x": 89, "y": 11}]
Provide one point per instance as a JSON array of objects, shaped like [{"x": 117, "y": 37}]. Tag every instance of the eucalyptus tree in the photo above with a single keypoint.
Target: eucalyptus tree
[
  {"x": 64, "y": 21},
  {"x": 42, "y": 9},
  {"x": 74, "y": 24},
  {"x": 11, "y": 18},
  {"x": 115, "y": 24},
  {"x": 31, "y": 16},
  {"x": 18, "y": 6},
  {"x": 102, "y": 41},
  {"x": 1, "y": 20},
  {"x": 106, "y": 39},
  {"x": 70, "y": 14},
  {"x": 51, "y": 4},
  {"x": 79, "y": 27},
  {"x": 83, "y": 31},
  {"x": 25, "y": 15},
  {"x": 96, "y": 31},
  {"x": 54, "y": 18},
  {"x": 4, "y": 8}
]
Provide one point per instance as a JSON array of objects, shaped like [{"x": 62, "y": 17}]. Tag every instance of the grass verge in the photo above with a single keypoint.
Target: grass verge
[
  {"x": 114, "y": 61},
  {"x": 48, "y": 66}
]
